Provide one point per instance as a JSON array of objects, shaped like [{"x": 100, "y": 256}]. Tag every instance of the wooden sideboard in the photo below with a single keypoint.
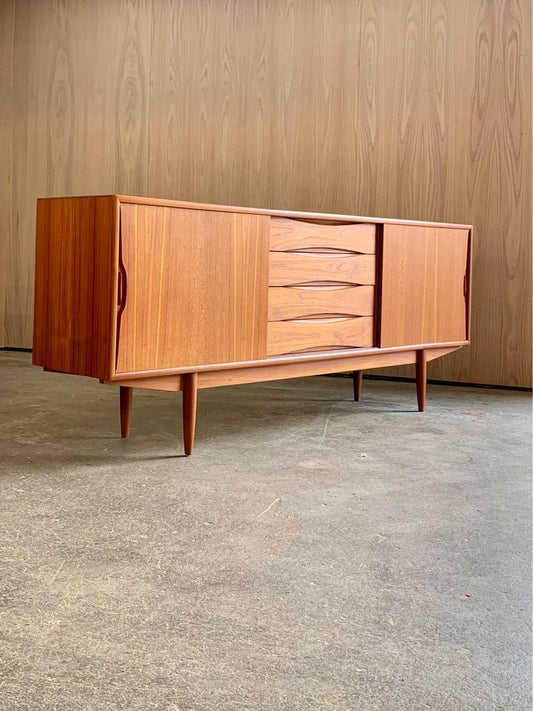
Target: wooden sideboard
[{"x": 169, "y": 295}]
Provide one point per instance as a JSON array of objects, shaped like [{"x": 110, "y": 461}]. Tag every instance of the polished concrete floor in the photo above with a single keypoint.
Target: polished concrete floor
[{"x": 314, "y": 553}]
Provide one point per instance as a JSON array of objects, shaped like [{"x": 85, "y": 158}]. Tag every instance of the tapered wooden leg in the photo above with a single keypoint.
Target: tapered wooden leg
[
  {"x": 357, "y": 376},
  {"x": 190, "y": 399},
  {"x": 421, "y": 375},
  {"x": 126, "y": 396}
]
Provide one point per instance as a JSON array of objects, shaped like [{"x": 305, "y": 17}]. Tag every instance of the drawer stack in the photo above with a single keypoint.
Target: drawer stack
[{"x": 321, "y": 286}]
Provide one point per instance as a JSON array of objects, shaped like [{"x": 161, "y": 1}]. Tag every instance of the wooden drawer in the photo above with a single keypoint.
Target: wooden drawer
[
  {"x": 287, "y": 235},
  {"x": 295, "y": 302},
  {"x": 292, "y": 336},
  {"x": 288, "y": 268}
]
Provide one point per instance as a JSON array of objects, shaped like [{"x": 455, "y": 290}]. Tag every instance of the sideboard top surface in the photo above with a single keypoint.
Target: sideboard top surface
[{"x": 276, "y": 213}]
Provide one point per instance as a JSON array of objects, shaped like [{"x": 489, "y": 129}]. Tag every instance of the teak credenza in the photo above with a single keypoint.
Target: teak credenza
[{"x": 148, "y": 293}]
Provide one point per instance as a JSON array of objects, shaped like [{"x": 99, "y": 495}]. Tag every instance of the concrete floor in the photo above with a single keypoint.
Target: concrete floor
[{"x": 314, "y": 553}]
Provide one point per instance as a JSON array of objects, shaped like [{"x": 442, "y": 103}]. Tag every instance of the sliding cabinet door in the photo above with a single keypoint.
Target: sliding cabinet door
[
  {"x": 193, "y": 288},
  {"x": 424, "y": 285}
]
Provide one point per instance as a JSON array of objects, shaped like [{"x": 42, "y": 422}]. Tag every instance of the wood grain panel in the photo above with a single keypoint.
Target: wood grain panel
[
  {"x": 132, "y": 89},
  {"x": 423, "y": 296},
  {"x": 111, "y": 60},
  {"x": 287, "y": 234},
  {"x": 7, "y": 34},
  {"x": 498, "y": 186},
  {"x": 288, "y": 268},
  {"x": 76, "y": 285},
  {"x": 308, "y": 105},
  {"x": 60, "y": 108},
  {"x": 196, "y": 287},
  {"x": 410, "y": 109},
  {"x": 31, "y": 55},
  {"x": 210, "y": 92},
  {"x": 368, "y": 59},
  {"x": 291, "y": 336},
  {"x": 295, "y": 302},
  {"x": 478, "y": 168},
  {"x": 81, "y": 117}
]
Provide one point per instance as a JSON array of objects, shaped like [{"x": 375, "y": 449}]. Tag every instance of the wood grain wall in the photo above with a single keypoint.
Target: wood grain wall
[
  {"x": 407, "y": 108},
  {"x": 7, "y": 33}
]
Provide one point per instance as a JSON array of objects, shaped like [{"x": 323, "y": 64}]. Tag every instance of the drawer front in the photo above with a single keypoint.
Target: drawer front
[
  {"x": 324, "y": 334},
  {"x": 321, "y": 286},
  {"x": 300, "y": 301},
  {"x": 289, "y": 268},
  {"x": 287, "y": 235}
]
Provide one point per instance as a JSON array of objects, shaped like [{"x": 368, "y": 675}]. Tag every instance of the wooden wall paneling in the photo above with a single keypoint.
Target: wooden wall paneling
[
  {"x": 498, "y": 192},
  {"x": 443, "y": 47},
  {"x": 111, "y": 70},
  {"x": 209, "y": 106},
  {"x": 132, "y": 92},
  {"x": 59, "y": 92},
  {"x": 422, "y": 62},
  {"x": 7, "y": 33},
  {"x": 251, "y": 125},
  {"x": 308, "y": 104},
  {"x": 494, "y": 193},
  {"x": 446, "y": 90},
  {"x": 417, "y": 174},
  {"x": 418, "y": 109},
  {"x": 481, "y": 164},
  {"x": 32, "y": 60},
  {"x": 176, "y": 62},
  {"x": 184, "y": 109},
  {"x": 365, "y": 119},
  {"x": 80, "y": 106},
  {"x": 289, "y": 154},
  {"x": 93, "y": 53},
  {"x": 422, "y": 69},
  {"x": 327, "y": 101}
]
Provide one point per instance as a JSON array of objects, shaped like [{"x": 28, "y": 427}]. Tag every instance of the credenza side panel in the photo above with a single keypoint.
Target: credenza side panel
[
  {"x": 75, "y": 285},
  {"x": 195, "y": 287},
  {"x": 424, "y": 285}
]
